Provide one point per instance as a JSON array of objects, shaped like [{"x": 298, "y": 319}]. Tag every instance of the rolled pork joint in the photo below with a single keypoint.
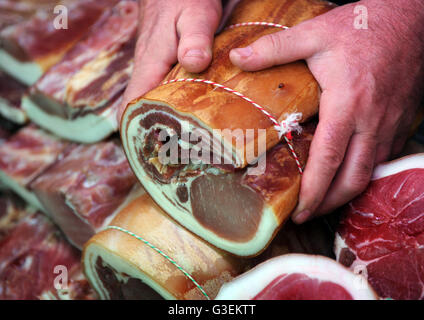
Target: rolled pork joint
[
  {"x": 381, "y": 233},
  {"x": 233, "y": 210},
  {"x": 11, "y": 92},
  {"x": 83, "y": 191},
  {"x": 77, "y": 99},
  {"x": 220, "y": 200},
  {"x": 38, "y": 263},
  {"x": 32, "y": 46},
  {"x": 298, "y": 277},
  {"x": 25, "y": 156},
  {"x": 120, "y": 265},
  {"x": 152, "y": 257}
]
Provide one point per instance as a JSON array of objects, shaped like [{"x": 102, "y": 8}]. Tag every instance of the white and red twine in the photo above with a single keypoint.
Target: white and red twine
[{"x": 285, "y": 127}]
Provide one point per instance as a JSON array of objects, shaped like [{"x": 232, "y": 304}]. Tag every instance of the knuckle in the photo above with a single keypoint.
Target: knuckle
[
  {"x": 275, "y": 42},
  {"x": 206, "y": 14},
  {"x": 360, "y": 178},
  {"x": 332, "y": 157},
  {"x": 197, "y": 37},
  {"x": 370, "y": 138},
  {"x": 270, "y": 47},
  {"x": 358, "y": 183}
]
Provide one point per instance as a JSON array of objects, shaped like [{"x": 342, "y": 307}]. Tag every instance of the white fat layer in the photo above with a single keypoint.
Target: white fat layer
[
  {"x": 21, "y": 191},
  {"x": 47, "y": 295},
  {"x": 249, "y": 284},
  {"x": 90, "y": 128},
  {"x": 26, "y": 72},
  {"x": 11, "y": 113},
  {"x": 263, "y": 235},
  {"x": 415, "y": 161},
  {"x": 339, "y": 244},
  {"x": 93, "y": 251}
]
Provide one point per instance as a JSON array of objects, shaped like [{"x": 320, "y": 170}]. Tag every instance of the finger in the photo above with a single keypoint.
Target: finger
[
  {"x": 156, "y": 52},
  {"x": 398, "y": 146},
  {"x": 325, "y": 156},
  {"x": 404, "y": 131},
  {"x": 229, "y": 6},
  {"x": 299, "y": 42},
  {"x": 353, "y": 175},
  {"x": 383, "y": 151},
  {"x": 386, "y": 137},
  {"x": 196, "y": 30}
]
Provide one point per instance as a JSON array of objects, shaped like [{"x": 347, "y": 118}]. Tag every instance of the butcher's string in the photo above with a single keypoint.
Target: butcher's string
[
  {"x": 285, "y": 127},
  {"x": 163, "y": 254}
]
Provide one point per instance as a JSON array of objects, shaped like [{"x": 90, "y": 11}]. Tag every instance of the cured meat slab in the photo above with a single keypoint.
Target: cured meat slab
[
  {"x": 26, "y": 155},
  {"x": 30, "y": 47},
  {"x": 6, "y": 130},
  {"x": 78, "y": 98},
  {"x": 83, "y": 191},
  {"x": 214, "y": 197},
  {"x": 15, "y": 11},
  {"x": 298, "y": 277},
  {"x": 12, "y": 210},
  {"x": 382, "y": 231},
  {"x": 30, "y": 254},
  {"x": 11, "y": 92},
  {"x": 120, "y": 266},
  {"x": 235, "y": 211}
]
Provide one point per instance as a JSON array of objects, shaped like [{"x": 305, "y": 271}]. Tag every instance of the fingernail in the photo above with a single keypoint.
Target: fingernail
[
  {"x": 195, "y": 53},
  {"x": 244, "y": 52},
  {"x": 301, "y": 217}
]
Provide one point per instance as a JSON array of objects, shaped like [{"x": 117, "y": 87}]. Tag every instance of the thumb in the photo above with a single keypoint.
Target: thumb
[
  {"x": 196, "y": 28},
  {"x": 297, "y": 43}
]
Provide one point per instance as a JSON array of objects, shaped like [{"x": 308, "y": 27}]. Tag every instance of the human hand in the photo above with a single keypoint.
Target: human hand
[
  {"x": 171, "y": 31},
  {"x": 371, "y": 81}
]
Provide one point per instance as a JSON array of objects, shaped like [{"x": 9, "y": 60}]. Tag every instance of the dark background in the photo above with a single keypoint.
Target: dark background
[{"x": 340, "y": 2}]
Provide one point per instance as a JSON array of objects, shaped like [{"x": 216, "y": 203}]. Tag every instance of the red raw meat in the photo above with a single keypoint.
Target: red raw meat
[
  {"x": 298, "y": 286},
  {"x": 15, "y": 11},
  {"x": 82, "y": 191},
  {"x": 111, "y": 33},
  {"x": 382, "y": 231},
  {"x": 298, "y": 277},
  {"x": 28, "y": 257},
  {"x": 12, "y": 210},
  {"x": 26, "y": 155},
  {"x": 32, "y": 46},
  {"x": 11, "y": 92}
]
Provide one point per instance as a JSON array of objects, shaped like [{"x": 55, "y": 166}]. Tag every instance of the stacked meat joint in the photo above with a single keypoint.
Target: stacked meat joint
[
  {"x": 83, "y": 216},
  {"x": 72, "y": 190}
]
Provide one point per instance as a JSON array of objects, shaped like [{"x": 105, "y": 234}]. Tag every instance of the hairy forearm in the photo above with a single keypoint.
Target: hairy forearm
[
  {"x": 396, "y": 31},
  {"x": 407, "y": 15}
]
